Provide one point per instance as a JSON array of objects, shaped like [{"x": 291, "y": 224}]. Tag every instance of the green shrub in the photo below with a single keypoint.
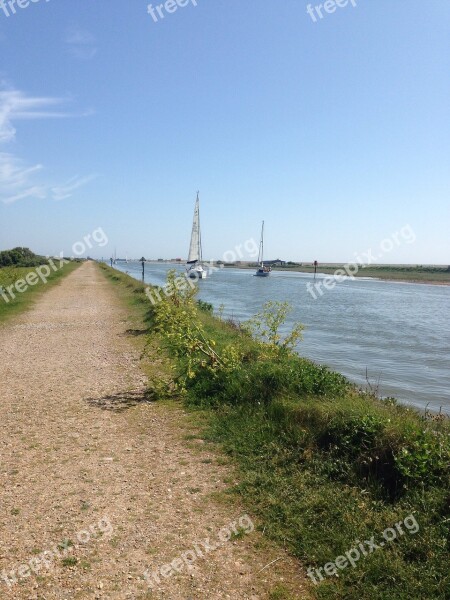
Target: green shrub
[
  {"x": 205, "y": 306},
  {"x": 425, "y": 459}
]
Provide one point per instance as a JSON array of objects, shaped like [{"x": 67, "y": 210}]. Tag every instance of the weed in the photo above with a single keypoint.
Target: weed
[{"x": 69, "y": 561}]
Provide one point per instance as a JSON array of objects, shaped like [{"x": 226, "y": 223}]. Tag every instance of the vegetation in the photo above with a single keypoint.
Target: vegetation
[
  {"x": 21, "y": 257},
  {"x": 322, "y": 463},
  {"x": 11, "y": 304}
]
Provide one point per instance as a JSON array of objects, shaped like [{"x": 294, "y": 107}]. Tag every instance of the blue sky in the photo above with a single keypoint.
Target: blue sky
[{"x": 336, "y": 132}]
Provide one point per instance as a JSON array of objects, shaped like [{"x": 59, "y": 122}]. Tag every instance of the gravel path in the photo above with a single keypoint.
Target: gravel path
[{"x": 97, "y": 486}]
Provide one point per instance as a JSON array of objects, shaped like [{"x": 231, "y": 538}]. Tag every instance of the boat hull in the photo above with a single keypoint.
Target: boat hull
[
  {"x": 197, "y": 273},
  {"x": 262, "y": 273}
]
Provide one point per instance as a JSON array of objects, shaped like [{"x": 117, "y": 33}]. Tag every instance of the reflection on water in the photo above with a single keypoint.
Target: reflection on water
[{"x": 399, "y": 332}]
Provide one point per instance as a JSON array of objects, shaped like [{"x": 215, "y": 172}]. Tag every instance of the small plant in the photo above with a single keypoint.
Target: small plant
[
  {"x": 425, "y": 460},
  {"x": 265, "y": 326},
  {"x": 238, "y": 534},
  {"x": 205, "y": 306},
  {"x": 70, "y": 561},
  {"x": 220, "y": 312},
  {"x": 355, "y": 435},
  {"x": 280, "y": 593}
]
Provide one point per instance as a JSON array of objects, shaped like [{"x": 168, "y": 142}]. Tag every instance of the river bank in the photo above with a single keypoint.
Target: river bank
[{"x": 323, "y": 465}]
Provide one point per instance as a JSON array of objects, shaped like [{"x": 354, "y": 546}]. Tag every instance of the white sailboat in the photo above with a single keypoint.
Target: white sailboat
[
  {"x": 195, "y": 267},
  {"x": 262, "y": 270}
]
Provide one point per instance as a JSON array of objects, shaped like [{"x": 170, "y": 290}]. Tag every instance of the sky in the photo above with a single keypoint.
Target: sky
[{"x": 334, "y": 130}]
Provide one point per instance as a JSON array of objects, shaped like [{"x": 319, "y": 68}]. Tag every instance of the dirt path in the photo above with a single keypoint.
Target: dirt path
[{"x": 92, "y": 497}]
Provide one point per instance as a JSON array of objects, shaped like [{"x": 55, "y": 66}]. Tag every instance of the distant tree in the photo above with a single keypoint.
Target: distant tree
[{"x": 21, "y": 257}]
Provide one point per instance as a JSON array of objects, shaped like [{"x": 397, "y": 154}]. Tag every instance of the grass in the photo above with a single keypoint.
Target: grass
[
  {"x": 326, "y": 466},
  {"x": 132, "y": 294},
  {"x": 280, "y": 593},
  {"x": 23, "y": 301},
  {"x": 323, "y": 466},
  {"x": 70, "y": 561}
]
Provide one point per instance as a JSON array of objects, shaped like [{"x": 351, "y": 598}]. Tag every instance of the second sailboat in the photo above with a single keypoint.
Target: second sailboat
[{"x": 262, "y": 271}]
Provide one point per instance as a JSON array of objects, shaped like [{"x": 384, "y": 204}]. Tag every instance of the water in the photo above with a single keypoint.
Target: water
[{"x": 399, "y": 332}]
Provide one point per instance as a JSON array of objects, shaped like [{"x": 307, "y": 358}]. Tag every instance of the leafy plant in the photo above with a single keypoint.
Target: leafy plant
[
  {"x": 177, "y": 319},
  {"x": 205, "y": 306},
  {"x": 425, "y": 459},
  {"x": 265, "y": 326}
]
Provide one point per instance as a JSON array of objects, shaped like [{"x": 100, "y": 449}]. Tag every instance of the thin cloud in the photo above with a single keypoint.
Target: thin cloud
[
  {"x": 15, "y": 106},
  {"x": 19, "y": 180},
  {"x": 61, "y": 192},
  {"x": 81, "y": 44},
  {"x": 16, "y": 179}
]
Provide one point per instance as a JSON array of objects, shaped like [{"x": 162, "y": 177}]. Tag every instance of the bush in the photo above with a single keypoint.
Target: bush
[{"x": 21, "y": 257}]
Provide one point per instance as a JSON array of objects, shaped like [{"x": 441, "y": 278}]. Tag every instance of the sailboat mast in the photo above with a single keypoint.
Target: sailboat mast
[
  {"x": 200, "y": 250},
  {"x": 261, "y": 246}
]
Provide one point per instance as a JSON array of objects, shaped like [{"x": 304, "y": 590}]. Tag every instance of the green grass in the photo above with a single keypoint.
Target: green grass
[
  {"x": 130, "y": 290},
  {"x": 23, "y": 301},
  {"x": 70, "y": 561},
  {"x": 324, "y": 466}
]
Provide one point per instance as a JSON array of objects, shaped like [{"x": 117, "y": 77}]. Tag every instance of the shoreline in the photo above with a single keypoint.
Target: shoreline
[{"x": 366, "y": 275}]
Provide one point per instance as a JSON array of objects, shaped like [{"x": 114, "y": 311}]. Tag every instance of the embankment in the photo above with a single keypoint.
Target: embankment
[{"x": 356, "y": 487}]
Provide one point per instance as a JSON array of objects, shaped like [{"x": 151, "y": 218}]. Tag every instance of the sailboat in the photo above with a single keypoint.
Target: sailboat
[
  {"x": 262, "y": 270},
  {"x": 195, "y": 267}
]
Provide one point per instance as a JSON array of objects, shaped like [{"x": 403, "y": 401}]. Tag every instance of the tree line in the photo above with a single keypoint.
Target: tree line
[{"x": 21, "y": 257}]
